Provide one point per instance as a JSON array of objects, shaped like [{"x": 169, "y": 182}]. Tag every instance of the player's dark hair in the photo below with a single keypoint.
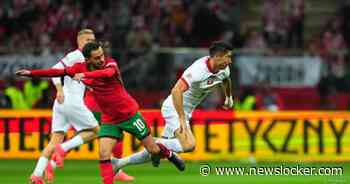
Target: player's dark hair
[
  {"x": 219, "y": 47},
  {"x": 89, "y": 47}
]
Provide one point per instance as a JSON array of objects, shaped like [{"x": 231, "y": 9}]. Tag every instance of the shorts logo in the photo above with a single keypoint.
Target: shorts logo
[
  {"x": 210, "y": 81},
  {"x": 139, "y": 125}
]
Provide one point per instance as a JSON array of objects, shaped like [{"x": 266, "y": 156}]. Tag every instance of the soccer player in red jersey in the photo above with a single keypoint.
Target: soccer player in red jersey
[{"x": 119, "y": 109}]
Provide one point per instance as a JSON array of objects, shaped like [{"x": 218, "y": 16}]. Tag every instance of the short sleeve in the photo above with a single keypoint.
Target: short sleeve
[
  {"x": 191, "y": 76},
  {"x": 71, "y": 58},
  {"x": 57, "y": 80}
]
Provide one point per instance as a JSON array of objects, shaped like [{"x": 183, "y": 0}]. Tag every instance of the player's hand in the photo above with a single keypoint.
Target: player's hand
[
  {"x": 60, "y": 97},
  {"x": 79, "y": 76},
  {"x": 23, "y": 72},
  {"x": 228, "y": 104}
]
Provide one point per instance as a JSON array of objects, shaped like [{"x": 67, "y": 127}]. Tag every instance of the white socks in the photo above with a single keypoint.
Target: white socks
[
  {"x": 144, "y": 156},
  {"x": 72, "y": 143},
  {"x": 40, "y": 166},
  {"x": 136, "y": 158}
]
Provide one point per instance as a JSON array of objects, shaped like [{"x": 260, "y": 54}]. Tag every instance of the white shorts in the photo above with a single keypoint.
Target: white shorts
[
  {"x": 77, "y": 116},
  {"x": 172, "y": 122}
]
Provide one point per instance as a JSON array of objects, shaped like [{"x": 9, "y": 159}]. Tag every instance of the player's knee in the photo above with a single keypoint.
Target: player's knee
[
  {"x": 48, "y": 150},
  {"x": 189, "y": 146},
  {"x": 153, "y": 149},
  {"x": 105, "y": 154}
]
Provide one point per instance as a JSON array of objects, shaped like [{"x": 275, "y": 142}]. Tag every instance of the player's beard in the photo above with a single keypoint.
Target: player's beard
[
  {"x": 98, "y": 65},
  {"x": 94, "y": 66}
]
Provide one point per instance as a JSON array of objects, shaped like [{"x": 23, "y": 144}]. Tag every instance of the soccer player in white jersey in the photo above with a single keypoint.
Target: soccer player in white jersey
[
  {"x": 68, "y": 110},
  {"x": 196, "y": 83}
]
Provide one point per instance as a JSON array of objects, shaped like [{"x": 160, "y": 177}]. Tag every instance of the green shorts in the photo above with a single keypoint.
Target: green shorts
[{"x": 135, "y": 125}]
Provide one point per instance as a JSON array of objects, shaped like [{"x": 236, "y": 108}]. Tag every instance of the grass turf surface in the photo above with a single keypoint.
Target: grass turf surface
[{"x": 86, "y": 172}]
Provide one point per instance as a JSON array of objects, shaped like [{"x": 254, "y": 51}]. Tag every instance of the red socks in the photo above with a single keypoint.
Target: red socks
[
  {"x": 118, "y": 149},
  {"x": 106, "y": 171},
  {"x": 164, "y": 151}
]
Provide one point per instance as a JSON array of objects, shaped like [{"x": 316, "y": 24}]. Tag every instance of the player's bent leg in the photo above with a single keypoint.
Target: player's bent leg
[
  {"x": 84, "y": 135},
  {"x": 106, "y": 169},
  {"x": 186, "y": 139}
]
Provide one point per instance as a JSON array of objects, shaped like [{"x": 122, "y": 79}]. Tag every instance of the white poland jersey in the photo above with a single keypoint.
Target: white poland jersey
[
  {"x": 72, "y": 89},
  {"x": 201, "y": 81}
]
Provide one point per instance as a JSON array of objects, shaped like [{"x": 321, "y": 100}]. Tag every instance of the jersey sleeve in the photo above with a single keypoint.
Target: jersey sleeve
[
  {"x": 190, "y": 76},
  {"x": 57, "y": 80},
  {"x": 72, "y": 58}
]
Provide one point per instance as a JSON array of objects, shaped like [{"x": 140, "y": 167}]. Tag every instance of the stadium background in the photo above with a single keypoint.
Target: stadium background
[{"x": 290, "y": 73}]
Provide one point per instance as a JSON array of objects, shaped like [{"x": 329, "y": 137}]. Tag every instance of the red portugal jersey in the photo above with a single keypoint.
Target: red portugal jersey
[{"x": 106, "y": 87}]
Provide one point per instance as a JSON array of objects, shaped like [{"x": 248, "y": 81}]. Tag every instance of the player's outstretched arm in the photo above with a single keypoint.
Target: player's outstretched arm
[
  {"x": 103, "y": 73},
  {"x": 42, "y": 73},
  {"x": 23, "y": 72},
  {"x": 177, "y": 94}
]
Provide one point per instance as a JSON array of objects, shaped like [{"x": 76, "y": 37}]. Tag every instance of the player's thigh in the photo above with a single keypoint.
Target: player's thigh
[
  {"x": 106, "y": 147},
  {"x": 82, "y": 119},
  {"x": 172, "y": 125},
  {"x": 60, "y": 122},
  {"x": 111, "y": 131},
  {"x": 136, "y": 126}
]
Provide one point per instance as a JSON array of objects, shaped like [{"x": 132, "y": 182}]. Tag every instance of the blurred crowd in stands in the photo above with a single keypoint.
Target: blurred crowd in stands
[{"x": 135, "y": 27}]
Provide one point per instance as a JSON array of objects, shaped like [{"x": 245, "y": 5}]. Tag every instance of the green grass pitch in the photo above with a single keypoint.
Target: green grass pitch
[{"x": 86, "y": 172}]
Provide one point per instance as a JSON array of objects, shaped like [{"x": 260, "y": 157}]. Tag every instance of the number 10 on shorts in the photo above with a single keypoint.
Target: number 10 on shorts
[{"x": 139, "y": 125}]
